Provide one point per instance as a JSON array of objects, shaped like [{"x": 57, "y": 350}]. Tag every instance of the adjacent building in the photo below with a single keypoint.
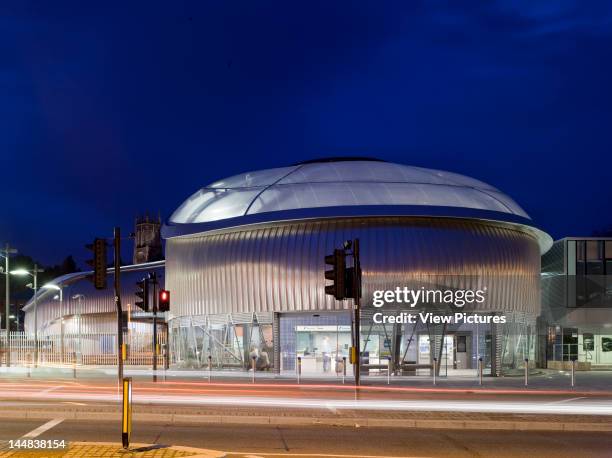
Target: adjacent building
[{"x": 576, "y": 320}]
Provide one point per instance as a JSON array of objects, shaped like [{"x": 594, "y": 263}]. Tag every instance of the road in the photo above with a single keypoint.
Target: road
[
  {"x": 268, "y": 441},
  {"x": 291, "y": 396}
]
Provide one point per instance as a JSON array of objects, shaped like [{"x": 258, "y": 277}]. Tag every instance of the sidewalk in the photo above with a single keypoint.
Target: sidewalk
[
  {"x": 110, "y": 450},
  {"x": 592, "y": 381}
]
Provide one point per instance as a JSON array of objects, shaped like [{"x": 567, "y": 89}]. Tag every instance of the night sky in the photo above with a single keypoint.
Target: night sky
[{"x": 110, "y": 112}]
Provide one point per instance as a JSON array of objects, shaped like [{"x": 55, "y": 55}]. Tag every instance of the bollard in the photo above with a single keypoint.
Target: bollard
[
  {"x": 126, "y": 413},
  {"x": 343, "y": 369},
  {"x": 74, "y": 364},
  {"x": 526, "y": 371},
  {"x": 29, "y": 365},
  {"x": 480, "y": 371},
  {"x": 209, "y": 368},
  {"x": 573, "y": 373},
  {"x": 299, "y": 368},
  {"x": 254, "y": 358},
  {"x": 389, "y": 371},
  {"x": 435, "y": 361}
]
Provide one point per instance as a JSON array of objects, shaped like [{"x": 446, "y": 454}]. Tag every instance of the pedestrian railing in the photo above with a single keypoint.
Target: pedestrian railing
[{"x": 95, "y": 349}]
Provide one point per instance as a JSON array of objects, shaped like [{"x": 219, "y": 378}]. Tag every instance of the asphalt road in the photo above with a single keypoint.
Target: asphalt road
[
  {"x": 312, "y": 397},
  {"x": 270, "y": 441}
]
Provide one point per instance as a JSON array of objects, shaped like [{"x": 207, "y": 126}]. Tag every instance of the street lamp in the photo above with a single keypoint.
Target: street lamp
[
  {"x": 34, "y": 274},
  {"x": 55, "y": 287},
  {"x": 79, "y": 297},
  {"x": 6, "y": 253}
]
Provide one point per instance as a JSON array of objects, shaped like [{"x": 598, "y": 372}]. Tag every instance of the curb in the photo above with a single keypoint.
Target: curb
[{"x": 177, "y": 419}]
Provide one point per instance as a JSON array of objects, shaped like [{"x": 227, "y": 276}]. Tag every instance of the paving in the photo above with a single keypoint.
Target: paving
[
  {"x": 590, "y": 381},
  {"x": 227, "y": 415},
  {"x": 249, "y": 441},
  {"x": 110, "y": 450}
]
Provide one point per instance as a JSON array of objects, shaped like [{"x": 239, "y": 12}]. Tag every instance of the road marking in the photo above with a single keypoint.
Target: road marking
[
  {"x": 53, "y": 388},
  {"x": 75, "y": 403},
  {"x": 42, "y": 428},
  {"x": 566, "y": 400},
  {"x": 332, "y": 409}
]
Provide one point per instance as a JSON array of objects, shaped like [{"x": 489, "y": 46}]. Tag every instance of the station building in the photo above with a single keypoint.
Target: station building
[{"x": 245, "y": 265}]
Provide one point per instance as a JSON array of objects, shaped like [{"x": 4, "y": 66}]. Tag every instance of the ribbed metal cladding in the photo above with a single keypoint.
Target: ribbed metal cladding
[
  {"x": 279, "y": 267},
  {"x": 93, "y": 302}
]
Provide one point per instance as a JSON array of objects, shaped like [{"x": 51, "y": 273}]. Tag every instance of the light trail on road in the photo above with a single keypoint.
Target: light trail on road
[{"x": 307, "y": 397}]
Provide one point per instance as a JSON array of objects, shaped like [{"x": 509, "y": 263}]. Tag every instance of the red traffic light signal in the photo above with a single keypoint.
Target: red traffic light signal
[{"x": 164, "y": 300}]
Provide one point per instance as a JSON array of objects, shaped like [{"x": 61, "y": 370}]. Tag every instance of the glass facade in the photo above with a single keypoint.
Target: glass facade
[
  {"x": 223, "y": 341},
  {"x": 322, "y": 341},
  {"x": 577, "y": 304}
]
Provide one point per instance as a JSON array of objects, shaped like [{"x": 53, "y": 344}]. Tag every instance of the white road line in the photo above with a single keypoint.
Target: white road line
[
  {"x": 53, "y": 388},
  {"x": 566, "y": 400},
  {"x": 42, "y": 428},
  {"x": 332, "y": 409}
]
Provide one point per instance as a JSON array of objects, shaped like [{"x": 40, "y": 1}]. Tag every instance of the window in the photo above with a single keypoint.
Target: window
[
  {"x": 608, "y": 245},
  {"x": 580, "y": 257},
  {"x": 461, "y": 344},
  {"x": 594, "y": 257},
  {"x": 570, "y": 344},
  {"x": 588, "y": 342}
]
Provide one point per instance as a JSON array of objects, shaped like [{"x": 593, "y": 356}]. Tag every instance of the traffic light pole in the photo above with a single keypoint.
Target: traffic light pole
[
  {"x": 117, "y": 246},
  {"x": 155, "y": 307},
  {"x": 357, "y": 306}
]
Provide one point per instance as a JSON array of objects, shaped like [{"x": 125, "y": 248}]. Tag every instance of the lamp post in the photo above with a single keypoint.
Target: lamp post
[
  {"x": 60, "y": 289},
  {"x": 7, "y": 297},
  {"x": 79, "y": 297},
  {"x": 34, "y": 274}
]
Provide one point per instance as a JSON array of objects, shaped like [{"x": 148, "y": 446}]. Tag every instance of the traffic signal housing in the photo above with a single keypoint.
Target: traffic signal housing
[
  {"x": 337, "y": 274},
  {"x": 143, "y": 293},
  {"x": 164, "y": 300},
  {"x": 98, "y": 262}
]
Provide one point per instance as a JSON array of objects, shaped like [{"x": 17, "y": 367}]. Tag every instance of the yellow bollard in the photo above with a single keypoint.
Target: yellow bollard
[{"x": 126, "y": 417}]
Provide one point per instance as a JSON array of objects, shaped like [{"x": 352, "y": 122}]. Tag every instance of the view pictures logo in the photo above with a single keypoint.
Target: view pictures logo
[{"x": 413, "y": 297}]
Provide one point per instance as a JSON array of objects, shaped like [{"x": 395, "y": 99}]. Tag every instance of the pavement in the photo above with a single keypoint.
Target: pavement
[
  {"x": 252, "y": 441},
  {"x": 108, "y": 450},
  {"x": 540, "y": 379}
]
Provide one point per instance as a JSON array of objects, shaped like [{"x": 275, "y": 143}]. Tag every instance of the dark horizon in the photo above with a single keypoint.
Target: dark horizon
[{"x": 152, "y": 102}]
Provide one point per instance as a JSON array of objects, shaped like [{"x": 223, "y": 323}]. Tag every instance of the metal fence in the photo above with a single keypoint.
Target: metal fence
[{"x": 96, "y": 349}]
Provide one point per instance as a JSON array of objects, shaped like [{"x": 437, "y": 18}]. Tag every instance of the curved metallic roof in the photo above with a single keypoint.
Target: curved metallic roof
[
  {"x": 334, "y": 184},
  {"x": 356, "y": 187}
]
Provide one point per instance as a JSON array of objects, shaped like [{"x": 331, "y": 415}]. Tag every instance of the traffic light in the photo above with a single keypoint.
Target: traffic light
[
  {"x": 98, "y": 262},
  {"x": 143, "y": 293},
  {"x": 353, "y": 283},
  {"x": 337, "y": 274},
  {"x": 164, "y": 300}
]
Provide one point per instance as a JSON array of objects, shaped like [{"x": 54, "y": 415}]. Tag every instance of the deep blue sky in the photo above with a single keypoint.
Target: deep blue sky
[{"x": 155, "y": 101}]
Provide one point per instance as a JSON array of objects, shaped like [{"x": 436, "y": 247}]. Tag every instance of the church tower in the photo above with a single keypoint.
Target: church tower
[{"x": 147, "y": 240}]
